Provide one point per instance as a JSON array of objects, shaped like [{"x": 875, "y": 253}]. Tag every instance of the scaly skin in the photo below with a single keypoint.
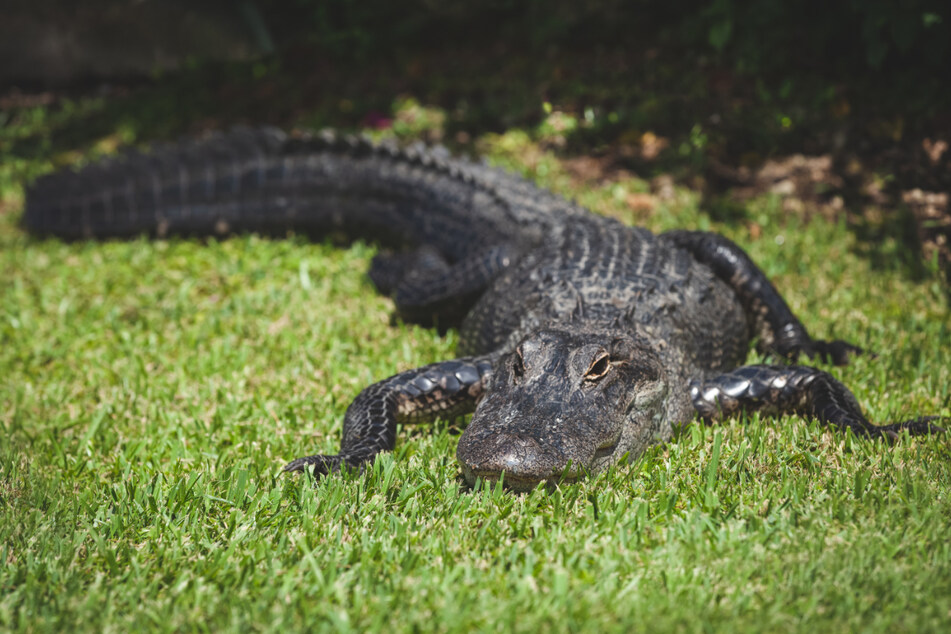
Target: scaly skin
[{"x": 583, "y": 341}]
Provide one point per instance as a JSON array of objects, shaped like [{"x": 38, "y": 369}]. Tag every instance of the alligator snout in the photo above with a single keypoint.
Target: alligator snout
[
  {"x": 524, "y": 458},
  {"x": 563, "y": 404}
]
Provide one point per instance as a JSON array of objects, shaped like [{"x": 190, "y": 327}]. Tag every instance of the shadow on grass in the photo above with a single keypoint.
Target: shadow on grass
[{"x": 644, "y": 109}]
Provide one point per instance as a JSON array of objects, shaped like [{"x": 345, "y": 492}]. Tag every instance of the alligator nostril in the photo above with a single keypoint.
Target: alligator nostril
[{"x": 512, "y": 460}]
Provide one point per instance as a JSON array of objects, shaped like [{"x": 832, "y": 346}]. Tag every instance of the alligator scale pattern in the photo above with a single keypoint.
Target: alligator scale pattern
[{"x": 582, "y": 341}]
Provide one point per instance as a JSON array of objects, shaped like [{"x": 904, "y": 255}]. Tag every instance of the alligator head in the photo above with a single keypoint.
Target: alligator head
[{"x": 563, "y": 404}]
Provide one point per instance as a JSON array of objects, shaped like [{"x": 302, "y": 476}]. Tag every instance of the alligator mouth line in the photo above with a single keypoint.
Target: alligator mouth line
[
  {"x": 564, "y": 477},
  {"x": 606, "y": 450},
  {"x": 523, "y": 483}
]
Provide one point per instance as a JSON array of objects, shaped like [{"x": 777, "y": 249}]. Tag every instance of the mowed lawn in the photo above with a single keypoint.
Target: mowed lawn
[{"x": 151, "y": 391}]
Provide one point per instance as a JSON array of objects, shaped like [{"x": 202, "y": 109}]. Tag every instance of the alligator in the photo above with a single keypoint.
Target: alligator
[{"x": 582, "y": 341}]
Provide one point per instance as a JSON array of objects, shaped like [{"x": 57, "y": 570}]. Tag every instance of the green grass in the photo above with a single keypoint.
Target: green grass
[{"x": 151, "y": 391}]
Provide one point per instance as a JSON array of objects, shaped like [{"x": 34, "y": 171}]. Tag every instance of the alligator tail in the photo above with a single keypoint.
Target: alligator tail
[{"x": 263, "y": 180}]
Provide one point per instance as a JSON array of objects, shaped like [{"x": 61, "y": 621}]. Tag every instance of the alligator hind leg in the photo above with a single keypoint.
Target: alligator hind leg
[
  {"x": 446, "y": 389},
  {"x": 427, "y": 289},
  {"x": 794, "y": 389},
  {"x": 778, "y": 329},
  {"x": 389, "y": 269}
]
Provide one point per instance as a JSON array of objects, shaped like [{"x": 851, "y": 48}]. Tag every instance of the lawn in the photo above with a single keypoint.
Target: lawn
[{"x": 152, "y": 390}]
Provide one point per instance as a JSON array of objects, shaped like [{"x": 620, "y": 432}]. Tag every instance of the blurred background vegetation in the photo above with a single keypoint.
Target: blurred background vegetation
[{"x": 841, "y": 108}]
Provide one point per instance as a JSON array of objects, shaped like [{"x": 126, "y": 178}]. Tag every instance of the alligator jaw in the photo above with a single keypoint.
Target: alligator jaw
[
  {"x": 518, "y": 483},
  {"x": 525, "y": 459},
  {"x": 517, "y": 480}
]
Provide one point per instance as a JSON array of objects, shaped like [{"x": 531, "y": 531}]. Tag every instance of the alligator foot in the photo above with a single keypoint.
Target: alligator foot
[
  {"x": 778, "y": 390},
  {"x": 920, "y": 426},
  {"x": 445, "y": 389},
  {"x": 837, "y": 352},
  {"x": 324, "y": 464}
]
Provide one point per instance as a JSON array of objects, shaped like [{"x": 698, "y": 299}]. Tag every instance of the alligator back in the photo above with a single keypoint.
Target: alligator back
[
  {"x": 622, "y": 279},
  {"x": 264, "y": 181}
]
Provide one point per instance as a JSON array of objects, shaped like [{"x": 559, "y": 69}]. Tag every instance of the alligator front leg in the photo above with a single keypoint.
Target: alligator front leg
[
  {"x": 778, "y": 329},
  {"x": 794, "y": 389},
  {"x": 448, "y": 388}
]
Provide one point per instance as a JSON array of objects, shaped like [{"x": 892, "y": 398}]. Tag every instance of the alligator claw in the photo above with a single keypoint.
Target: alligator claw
[
  {"x": 323, "y": 465},
  {"x": 837, "y": 352},
  {"x": 920, "y": 426}
]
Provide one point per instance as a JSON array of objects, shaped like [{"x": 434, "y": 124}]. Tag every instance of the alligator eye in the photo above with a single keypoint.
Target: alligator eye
[{"x": 599, "y": 367}]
